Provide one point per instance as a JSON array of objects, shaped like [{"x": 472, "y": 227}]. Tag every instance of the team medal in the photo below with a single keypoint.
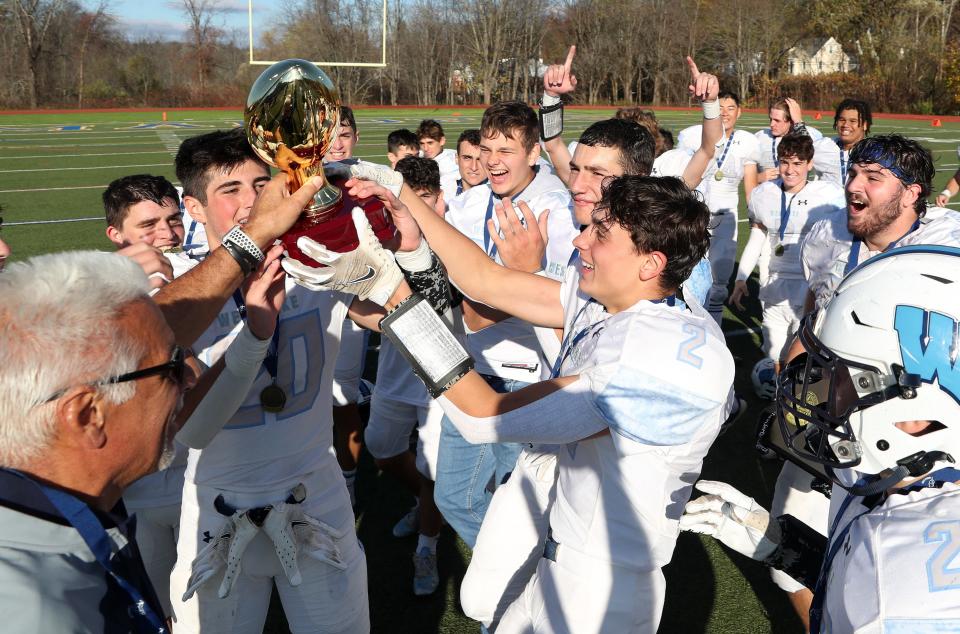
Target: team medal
[
  {"x": 273, "y": 398},
  {"x": 779, "y": 250},
  {"x": 718, "y": 176}
]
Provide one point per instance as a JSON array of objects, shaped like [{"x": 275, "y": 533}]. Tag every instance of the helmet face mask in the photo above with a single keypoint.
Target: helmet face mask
[
  {"x": 875, "y": 396},
  {"x": 819, "y": 392}
]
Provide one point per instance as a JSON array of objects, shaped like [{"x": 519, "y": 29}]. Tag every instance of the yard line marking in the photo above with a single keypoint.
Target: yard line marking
[
  {"x": 49, "y": 222},
  {"x": 102, "y": 167},
  {"x": 43, "y": 156},
  {"x": 50, "y": 189},
  {"x": 170, "y": 140}
]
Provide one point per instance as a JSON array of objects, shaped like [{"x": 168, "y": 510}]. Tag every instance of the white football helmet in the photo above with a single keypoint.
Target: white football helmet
[
  {"x": 764, "y": 377},
  {"x": 882, "y": 352}
]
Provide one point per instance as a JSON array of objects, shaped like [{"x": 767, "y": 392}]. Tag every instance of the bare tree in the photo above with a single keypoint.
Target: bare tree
[
  {"x": 204, "y": 37},
  {"x": 88, "y": 24},
  {"x": 34, "y": 18}
]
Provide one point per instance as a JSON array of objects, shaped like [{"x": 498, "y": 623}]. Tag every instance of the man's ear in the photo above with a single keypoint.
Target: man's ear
[
  {"x": 443, "y": 141},
  {"x": 81, "y": 418},
  {"x": 114, "y": 236},
  {"x": 533, "y": 155},
  {"x": 910, "y": 196},
  {"x": 652, "y": 265},
  {"x": 195, "y": 209}
]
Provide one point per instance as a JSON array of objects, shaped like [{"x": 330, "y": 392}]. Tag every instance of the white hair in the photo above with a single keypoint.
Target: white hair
[{"x": 59, "y": 317}]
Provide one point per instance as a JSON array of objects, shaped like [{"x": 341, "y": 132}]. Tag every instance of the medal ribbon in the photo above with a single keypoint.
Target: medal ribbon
[
  {"x": 843, "y": 162},
  {"x": 785, "y": 211},
  {"x": 271, "y": 361},
  {"x": 854, "y": 256},
  {"x": 569, "y": 344},
  {"x": 773, "y": 150},
  {"x": 726, "y": 149}
]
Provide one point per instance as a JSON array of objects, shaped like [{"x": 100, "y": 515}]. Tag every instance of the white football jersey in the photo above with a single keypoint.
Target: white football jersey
[
  {"x": 897, "y": 568},
  {"x": 731, "y": 156},
  {"x": 768, "y": 206},
  {"x": 830, "y": 161},
  {"x": 660, "y": 380},
  {"x": 510, "y": 349},
  {"x": 768, "y": 145},
  {"x": 826, "y": 250},
  {"x": 265, "y": 451}
]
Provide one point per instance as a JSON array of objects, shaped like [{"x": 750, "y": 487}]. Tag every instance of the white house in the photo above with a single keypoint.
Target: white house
[{"x": 818, "y": 56}]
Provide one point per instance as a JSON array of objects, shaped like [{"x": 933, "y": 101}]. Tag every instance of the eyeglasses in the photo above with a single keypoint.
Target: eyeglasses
[{"x": 174, "y": 369}]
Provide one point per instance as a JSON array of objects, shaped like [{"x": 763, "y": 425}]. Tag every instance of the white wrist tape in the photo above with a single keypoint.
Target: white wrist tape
[
  {"x": 549, "y": 100},
  {"x": 417, "y": 260},
  {"x": 711, "y": 109},
  {"x": 245, "y": 353},
  {"x": 946, "y": 193}
]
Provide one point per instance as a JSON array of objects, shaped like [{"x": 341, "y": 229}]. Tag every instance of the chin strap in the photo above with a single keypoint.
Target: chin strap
[{"x": 912, "y": 466}]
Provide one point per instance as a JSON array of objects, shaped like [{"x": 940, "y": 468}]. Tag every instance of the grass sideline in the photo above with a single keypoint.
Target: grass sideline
[{"x": 51, "y": 172}]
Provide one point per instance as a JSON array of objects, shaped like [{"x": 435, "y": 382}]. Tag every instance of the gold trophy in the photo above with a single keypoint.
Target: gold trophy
[{"x": 291, "y": 119}]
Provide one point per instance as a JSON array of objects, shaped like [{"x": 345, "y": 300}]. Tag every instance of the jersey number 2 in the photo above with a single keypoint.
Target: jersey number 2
[{"x": 941, "y": 575}]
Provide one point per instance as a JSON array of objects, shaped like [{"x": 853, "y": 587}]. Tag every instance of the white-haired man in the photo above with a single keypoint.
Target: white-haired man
[{"x": 101, "y": 414}]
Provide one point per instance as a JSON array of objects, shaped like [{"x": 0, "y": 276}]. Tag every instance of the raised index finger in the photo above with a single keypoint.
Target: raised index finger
[
  {"x": 569, "y": 61},
  {"x": 692, "y": 65}
]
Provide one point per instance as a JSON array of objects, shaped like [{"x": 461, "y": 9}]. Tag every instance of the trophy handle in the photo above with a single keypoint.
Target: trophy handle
[{"x": 298, "y": 171}]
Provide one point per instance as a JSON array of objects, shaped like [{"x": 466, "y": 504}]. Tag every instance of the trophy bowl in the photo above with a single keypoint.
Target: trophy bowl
[{"x": 291, "y": 119}]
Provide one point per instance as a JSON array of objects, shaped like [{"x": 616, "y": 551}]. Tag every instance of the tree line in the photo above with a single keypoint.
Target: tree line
[{"x": 61, "y": 53}]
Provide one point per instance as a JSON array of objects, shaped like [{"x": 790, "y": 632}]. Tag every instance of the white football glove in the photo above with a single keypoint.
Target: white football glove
[
  {"x": 291, "y": 532},
  {"x": 369, "y": 271},
  {"x": 733, "y": 518},
  {"x": 379, "y": 174},
  {"x": 210, "y": 560}
]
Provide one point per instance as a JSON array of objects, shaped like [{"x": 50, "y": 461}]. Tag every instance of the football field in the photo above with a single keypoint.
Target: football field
[{"x": 54, "y": 168}]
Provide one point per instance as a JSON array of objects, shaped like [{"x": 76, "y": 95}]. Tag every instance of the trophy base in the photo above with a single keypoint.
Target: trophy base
[{"x": 334, "y": 229}]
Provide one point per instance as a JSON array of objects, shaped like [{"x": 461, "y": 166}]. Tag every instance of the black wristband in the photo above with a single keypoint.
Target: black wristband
[
  {"x": 242, "y": 258},
  {"x": 551, "y": 121},
  {"x": 800, "y": 553},
  {"x": 433, "y": 352}
]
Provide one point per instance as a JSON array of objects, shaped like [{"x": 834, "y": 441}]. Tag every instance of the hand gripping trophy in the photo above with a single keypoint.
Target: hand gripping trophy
[{"x": 291, "y": 119}]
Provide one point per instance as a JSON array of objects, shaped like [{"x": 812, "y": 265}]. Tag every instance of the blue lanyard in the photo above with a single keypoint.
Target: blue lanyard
[
  {"x": 270, "y": 362},
  {"x": 726, "y": 149},
  {"x": 569, "y": 344},
  {"x": 773, "y": 150},
  {"x": 854, "y": 256},
  {"x": 80, "y": 517},
  {"x": 488, "y": 245},
  {"x": 785, "y": 210},
  {"x": 940, "y": 476},
  {"x": 843, "y": 162}
]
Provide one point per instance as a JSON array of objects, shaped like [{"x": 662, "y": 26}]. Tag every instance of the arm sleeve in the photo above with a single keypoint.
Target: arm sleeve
[
  {"x": 566, "y": 415},
  {"x": 751, "y": 253},
  {"x": 242, "y": 362}
]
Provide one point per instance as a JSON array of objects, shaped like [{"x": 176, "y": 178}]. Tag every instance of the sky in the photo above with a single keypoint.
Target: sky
[{"x": 166, "y": 18}]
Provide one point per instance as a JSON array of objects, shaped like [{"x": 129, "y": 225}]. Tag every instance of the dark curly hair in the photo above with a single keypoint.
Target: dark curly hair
[
  {"x": 420, "y": 173},
  {"x": 798, "y": 145},
  {"x": 661, "y": 214},
  {"x": 125, "y": 192}
]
